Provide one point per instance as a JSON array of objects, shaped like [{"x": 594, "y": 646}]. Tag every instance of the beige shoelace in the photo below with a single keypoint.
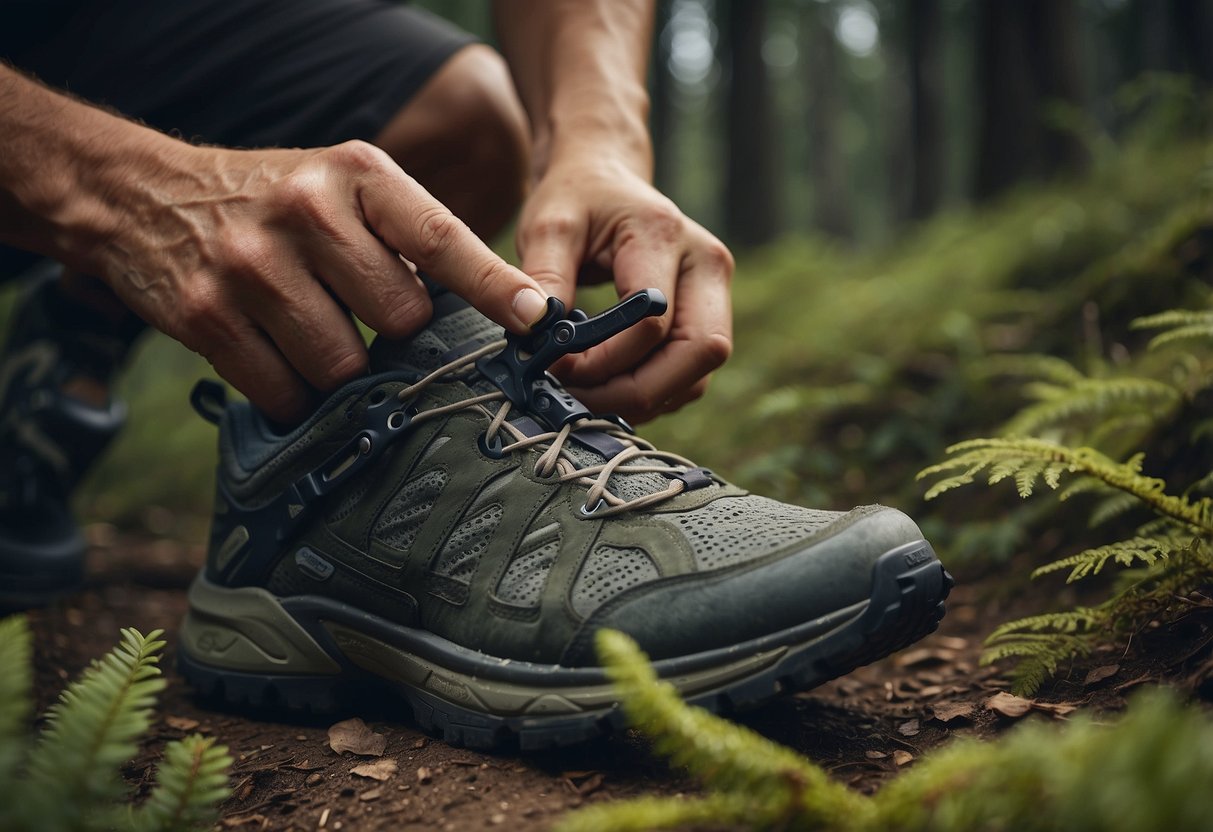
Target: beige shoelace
[{"x": 555, "y": 463}]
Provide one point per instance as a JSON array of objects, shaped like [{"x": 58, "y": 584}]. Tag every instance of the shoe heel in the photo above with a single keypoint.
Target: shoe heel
[{"x": 240, "y": 646}]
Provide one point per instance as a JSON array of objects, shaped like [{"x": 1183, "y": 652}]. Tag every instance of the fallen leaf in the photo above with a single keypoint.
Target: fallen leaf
[
  {"x": 382, "y": 769},
  {"x": 424, "y": 775},
  {"x": 948, "y": 711},
  {"x": 245, "y": 820},
  {"x": 419, "y": 743},
  {"x": 181, "y": 723},
  {"x": 313, "y": 779},
  {"x": 1008, "y": 704},
  {"x": 901, "y": 757},
  {"x": 1100, "y": 673},
  {"x": 908, "y": 729},
  {"x": 354, "y": 736},
  {"x": 1055, "y": 708},
  {"x": 952, "y": 642},
  {"x": 372, "y": 794},
  {"x": 925, "y": 655},
  {"x": 875, "y": 755}
]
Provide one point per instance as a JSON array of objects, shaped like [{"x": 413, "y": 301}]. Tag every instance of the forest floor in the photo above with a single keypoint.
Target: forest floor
[{"x": 863, "y": 728}]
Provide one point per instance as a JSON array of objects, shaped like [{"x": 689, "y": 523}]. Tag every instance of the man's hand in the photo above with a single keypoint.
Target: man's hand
[
  {"x": 592, "y": 219},
  {"x": 247, "y": 257}
]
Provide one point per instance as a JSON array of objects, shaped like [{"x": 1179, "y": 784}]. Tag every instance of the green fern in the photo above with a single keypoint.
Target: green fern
[
  {"x": 1149, "y": 772},
  {"x": 1179, "y": 325},
  {"x": 69, "y": 780},
  {"x": 1093, "y": 401}
]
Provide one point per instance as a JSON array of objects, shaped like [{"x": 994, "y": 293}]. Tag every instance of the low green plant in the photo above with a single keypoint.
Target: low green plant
[
  {"x": 1148, "y": 771},
  {"x": 67, "y": 779},
  {"x": 1167, "y": 558}
]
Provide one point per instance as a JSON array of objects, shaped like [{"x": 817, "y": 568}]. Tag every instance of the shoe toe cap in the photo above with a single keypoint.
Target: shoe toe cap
[{"x": 828, "y": 577}]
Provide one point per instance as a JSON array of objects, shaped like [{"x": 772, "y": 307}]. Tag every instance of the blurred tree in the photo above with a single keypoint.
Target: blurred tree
[
  {"x": 824, "y": 80},
  {"x": 751, "y": 190},
  {"x": 923, "y": 30},
  {"x": 1029, "y": 58}
]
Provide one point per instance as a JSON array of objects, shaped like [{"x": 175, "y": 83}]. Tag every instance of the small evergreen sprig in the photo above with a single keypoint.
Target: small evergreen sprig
[
  {"x": 1082, "y": 778},
  {"x": 68, "y": 778}
]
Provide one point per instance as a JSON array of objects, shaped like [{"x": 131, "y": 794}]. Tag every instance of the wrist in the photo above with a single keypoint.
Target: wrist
[{"x": 613, "y": 132}]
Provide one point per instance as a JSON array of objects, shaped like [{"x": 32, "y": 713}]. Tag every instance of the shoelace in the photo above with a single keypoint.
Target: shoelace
[{"x": 555, "y": 463}]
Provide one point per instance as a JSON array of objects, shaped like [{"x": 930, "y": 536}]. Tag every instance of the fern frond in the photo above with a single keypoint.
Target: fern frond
[
  {"x": 1144, "y": 550},
  {"x": 728, "y": 757},
  {"x": 647, "y": 813},
  {"x": 1049, "y": 368},
  {"x": 1092, "y": 399},
  {"x": 1111, "y": 507},
  {"x": 16, "y": 684},
  {"x": 1180, "y": 325},
  {"x": 1076, "y": 620},
  {"x": 191, "y": 782},
  {"x": 92, "y": 731},
  {"x": 1025, "y": 456}
]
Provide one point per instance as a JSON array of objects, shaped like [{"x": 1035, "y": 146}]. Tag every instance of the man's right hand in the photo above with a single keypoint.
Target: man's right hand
[{"x": 245, "y": 256}]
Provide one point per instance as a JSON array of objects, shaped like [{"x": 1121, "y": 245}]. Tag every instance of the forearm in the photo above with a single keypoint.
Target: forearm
[
  {"x": 63, "y": 167},
  {"x": 580, "y": 66}
]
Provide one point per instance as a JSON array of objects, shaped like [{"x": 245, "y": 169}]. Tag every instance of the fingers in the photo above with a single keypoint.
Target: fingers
[
  {"x": 699, "y": 341},
  {"x": 254, "y": 366},
  {"x": 651, "y": 256},
  {"x": 552, "y": 246},
  {"x": 410, "y": 221}
]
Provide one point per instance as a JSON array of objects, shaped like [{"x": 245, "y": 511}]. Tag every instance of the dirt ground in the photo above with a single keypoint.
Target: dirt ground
[{"x": 864, "y": 728}]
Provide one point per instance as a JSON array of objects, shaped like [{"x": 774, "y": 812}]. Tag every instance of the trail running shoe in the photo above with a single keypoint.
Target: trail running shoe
[
  {"x": 49, "y": 437},
  {"x": 432, "y": 527}
]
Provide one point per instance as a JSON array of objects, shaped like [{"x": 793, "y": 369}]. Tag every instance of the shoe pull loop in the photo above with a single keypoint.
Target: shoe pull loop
[
  {"x": 249, "y": 540},
  {"x": 520, "y": 370},
  {"x": 209, "y": 400}
]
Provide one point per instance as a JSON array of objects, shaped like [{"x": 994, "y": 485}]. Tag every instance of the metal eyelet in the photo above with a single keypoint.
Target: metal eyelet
[
  {"x": 495, "y": 450},
  {"x": 396, "y": 420},
  {"x": 586, "y": 511}
]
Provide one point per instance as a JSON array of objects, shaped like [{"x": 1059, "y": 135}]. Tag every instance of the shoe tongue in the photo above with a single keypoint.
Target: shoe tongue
[{"x": 455, "y": 329}]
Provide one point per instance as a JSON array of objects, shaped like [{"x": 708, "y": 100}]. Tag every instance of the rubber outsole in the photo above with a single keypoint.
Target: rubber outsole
[{"x": 906, "y": 603}]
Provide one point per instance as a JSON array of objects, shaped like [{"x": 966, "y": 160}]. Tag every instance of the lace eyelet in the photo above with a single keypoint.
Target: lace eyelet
[
  {"x": 493, "y": 450},
  {"x": 586, "y": 511}
]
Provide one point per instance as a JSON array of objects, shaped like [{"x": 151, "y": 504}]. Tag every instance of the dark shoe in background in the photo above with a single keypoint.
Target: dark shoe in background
[{"x": 56, "y": 417}]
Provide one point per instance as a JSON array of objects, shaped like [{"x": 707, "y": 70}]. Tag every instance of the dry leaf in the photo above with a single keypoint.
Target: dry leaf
[
  {"x": 875, "y": 755},
  {"x": 1055, "y": 708},
  {"x": 181, "y": 723},
  {"x": 952, "y": 642},
  {"x": 372, "y": 794},
  {"x": 424, "y": 775},
  {"x": 1008, "y": 704},
  {"x": 908, "y": 729},
  {"x": 1100, "y": 673},
  {"x": 925, "y": 655},
  {"x": 901, "y": 757},
  {"x": 381, "y": 770},
  {"x": 354, "y": 736},
  {"x": 948, "y": 711}
]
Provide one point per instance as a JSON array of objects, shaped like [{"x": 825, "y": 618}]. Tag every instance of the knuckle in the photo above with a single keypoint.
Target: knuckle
[
  {"x": 197, "y": 312},
  {"x": 247, "y": 255},
  {"x": 718, "y": 258},
  {"x": 341, "y": 366},
  {"x": 437, "y": 231},
  {"x": 305, "y": 194},
  {"x": 663, "y": 220},
  {"x": 716, "y": 349},
  {"x": 554, "y": 224},
  {"x": 358, "y": 156},
  {"x": 404, "y": 313}
]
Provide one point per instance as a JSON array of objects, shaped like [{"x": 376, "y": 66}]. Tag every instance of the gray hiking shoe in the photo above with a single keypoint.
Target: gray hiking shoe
[{"x": 455, "y": 525}]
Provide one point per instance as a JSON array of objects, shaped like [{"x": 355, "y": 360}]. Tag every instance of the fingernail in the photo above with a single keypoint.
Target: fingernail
[{"x": 529, "y": 307}]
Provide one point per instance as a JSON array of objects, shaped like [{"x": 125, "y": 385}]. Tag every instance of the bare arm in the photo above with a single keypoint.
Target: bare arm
[
  {"x": 579, "y": 66},
  {"x": 235, "y": 252}
]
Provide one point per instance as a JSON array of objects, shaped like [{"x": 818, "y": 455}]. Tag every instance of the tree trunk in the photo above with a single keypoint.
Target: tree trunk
[
  {"x": 926, "y": 108},
  {"x": 1028, "y": 57},
  {"x": 827, "y": 167},
  {"x": 751, "y": 209},
  {"x": 662, "y": 114}
]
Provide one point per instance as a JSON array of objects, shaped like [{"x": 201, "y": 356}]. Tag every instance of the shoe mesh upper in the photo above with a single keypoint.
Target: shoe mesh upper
[
  {"x": 524, "y": 579},
  {"x": 733, "y": 530},
  {"x": 462, "y": 551},
  {"x": 608, "y": 571},
  {"x": 404, "y": 516}
]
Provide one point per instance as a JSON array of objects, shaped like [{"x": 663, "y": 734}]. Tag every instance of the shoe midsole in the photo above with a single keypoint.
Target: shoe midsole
[{"x": 248, "y": 630}]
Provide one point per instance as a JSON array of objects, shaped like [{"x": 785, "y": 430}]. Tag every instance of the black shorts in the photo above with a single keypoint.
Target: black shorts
[{"x": 241, "y": 73}]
